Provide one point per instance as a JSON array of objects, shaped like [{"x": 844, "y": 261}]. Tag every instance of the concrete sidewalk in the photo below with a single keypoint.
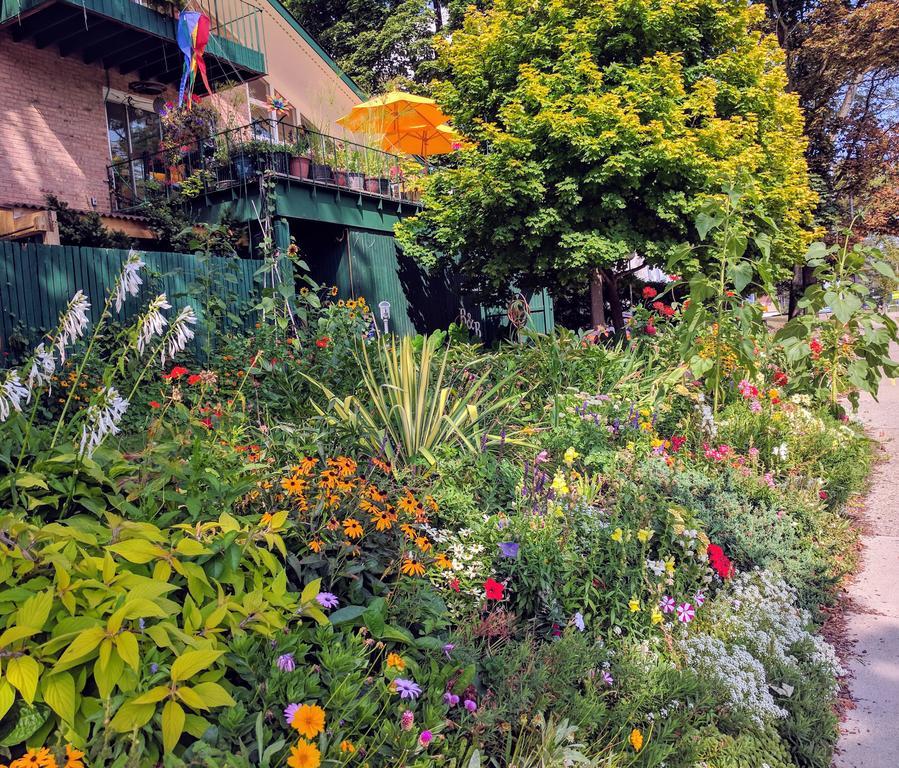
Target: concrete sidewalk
[{"x": 870, "y": 736}]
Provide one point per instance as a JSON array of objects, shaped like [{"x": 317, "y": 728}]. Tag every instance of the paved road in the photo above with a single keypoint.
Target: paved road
[{"x": 870, "y": 735}]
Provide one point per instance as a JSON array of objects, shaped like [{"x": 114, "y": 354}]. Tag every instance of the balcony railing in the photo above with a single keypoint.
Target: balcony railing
[{"x": 239, "y": 156}]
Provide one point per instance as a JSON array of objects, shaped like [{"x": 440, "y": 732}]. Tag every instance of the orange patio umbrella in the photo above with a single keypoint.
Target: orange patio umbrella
[{"x": 423, "y": 140}]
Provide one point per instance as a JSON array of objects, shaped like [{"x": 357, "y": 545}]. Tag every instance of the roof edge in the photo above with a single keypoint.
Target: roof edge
[{"x": 311, "y": 41}]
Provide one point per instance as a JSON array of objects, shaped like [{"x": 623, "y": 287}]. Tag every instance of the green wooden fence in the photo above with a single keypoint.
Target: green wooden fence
[{"x": 37, "y": 281}]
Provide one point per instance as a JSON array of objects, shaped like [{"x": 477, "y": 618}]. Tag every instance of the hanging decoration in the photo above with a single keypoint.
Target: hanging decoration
[
  {"x": 193, "y": 36},
  {"x": 278, "y": 104}
]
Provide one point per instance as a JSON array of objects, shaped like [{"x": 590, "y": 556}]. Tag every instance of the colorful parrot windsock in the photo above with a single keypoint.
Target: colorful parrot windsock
[{"x": 193, "y": 35}]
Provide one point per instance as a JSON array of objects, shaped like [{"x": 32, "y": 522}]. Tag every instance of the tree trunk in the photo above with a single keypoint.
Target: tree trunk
[
  {"x": 795, "y": 292},
  {"x": 610, "y": 279},
  {"x": 438, "y": 14},
  {"x": 597, "y": 301}
]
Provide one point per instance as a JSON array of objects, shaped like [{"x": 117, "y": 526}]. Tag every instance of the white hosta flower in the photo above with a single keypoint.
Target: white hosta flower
[
  {"x": 153, "y": 322},
  {"x": 43, "y": 365},
  {"x": 129, "y": 281},
  {"x": 180, "y": 333},
  {"x": 72, "y": 323},
  {"x": 103, "y": 417},
  {"x": 12, "y": 394}
]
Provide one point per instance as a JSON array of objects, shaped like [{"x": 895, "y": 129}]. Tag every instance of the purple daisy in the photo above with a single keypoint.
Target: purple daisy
[
  {"x": 327, "y": 600},
  {"x": 286, "y": 662},
  {"x": 407, "y": 689},
  {"x": 289, "y": 711}
]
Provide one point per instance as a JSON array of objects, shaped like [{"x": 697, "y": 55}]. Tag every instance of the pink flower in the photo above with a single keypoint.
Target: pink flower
[
  {"x": 667, "y": 604},
  {"x": 407, "y": 720},
  {"x": 685, "y": 613},
  {"x": 699, "y": 597},
  {"x": 471, "y": 705},
  {"x": 289, "y": 712},
  {"x": 425, "y": 738}
]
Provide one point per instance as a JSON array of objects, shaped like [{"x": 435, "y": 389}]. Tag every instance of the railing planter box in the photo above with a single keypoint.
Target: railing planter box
[
  {"x": 321, "y": 172},
  {"x": 373, "y": 185},
  {"x": 300, "y": 165}
]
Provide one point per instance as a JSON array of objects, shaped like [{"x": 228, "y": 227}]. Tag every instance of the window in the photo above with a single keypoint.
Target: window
[
  {"x": 268, "y": 125},
  {"x": 134, "y": 132}
]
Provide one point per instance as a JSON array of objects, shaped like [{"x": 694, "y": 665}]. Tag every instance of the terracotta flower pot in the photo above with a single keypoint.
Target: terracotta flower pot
[
  {"x": 300, "y": 166},
  {"x": 373, "y": 185}
]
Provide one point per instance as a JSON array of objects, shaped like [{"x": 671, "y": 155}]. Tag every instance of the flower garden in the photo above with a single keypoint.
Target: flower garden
[{"x": 318, "y": 546}]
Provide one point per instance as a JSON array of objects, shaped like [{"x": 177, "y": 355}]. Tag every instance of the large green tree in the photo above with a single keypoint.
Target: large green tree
[{"x": 601, "y": 125}]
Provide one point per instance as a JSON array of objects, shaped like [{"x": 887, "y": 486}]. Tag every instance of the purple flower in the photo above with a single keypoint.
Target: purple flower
[
  {"x": 327, "y": 600},
  {"x": 502, "y": 522},
  {"x": 471, "y": 705},
  {"x": 154, "y": 667},
  {"x": 289, "y": 711},
  {"x": 425, "y": 738},
  {"x": 579, "y": 621},
  {"x": 542, "y": 457},
  {"x": 407, "y": 720},
  {"x": 508, "y": 548},
  {"x": 450, "y": 698},
  {"x": 448, "y": 648},
  {"x": 286, "y": 662},
  {"x": 699, "y": 598},
  {"x": 607, "y": 677},
  {"x": 667, "y": 604},
  {"x": 407, "y": 689}
]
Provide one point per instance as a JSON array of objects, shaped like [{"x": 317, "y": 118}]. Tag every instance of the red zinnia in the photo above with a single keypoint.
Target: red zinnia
[
  {"x": 193, "y": 379},
  {"x": 493, "y": 590},
  {"x": 154, "y": 404},
  {"x": 454, "y": 585},
  {"x": 649, "y": 293},
  {"x": 322, "y": 342},
  {"x": 720, "y": 562},
  {"x": 780, "y": 378},
  {"x": 176, "y": 373}
]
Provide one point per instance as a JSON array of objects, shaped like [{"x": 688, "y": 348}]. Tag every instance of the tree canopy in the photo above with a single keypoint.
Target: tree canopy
[{"x": 601, "y": 128}]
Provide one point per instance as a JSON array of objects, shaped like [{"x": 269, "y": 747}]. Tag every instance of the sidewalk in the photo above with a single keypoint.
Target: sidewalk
[{"x": 870, "y": 736}]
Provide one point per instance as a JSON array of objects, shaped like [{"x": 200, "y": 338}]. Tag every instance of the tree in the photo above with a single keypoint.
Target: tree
[
  {"x": 374, "y": 41},
  {"x": 601, "y": 128}
]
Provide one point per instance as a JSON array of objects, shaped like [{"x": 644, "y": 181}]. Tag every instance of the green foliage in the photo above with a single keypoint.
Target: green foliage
[
  {"x": 602, "y": 128},
  {"x": 86, "y": 229}
]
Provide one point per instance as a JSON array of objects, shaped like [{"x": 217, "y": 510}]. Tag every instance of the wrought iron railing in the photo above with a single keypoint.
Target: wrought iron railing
[{"x": 239, "y": 156}]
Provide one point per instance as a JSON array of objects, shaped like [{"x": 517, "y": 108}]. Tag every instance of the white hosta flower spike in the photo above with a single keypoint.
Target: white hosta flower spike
[
  {"x": 72, "y": 323},
  {"x": 129, "y": 282},
  {"x": 180, "y": 333},
  {"x": 43, "y": 365},
  {"x": 103, "y": 417},
  {"x": 12, "y": 394},
  {"x": 153, "y": 322}
]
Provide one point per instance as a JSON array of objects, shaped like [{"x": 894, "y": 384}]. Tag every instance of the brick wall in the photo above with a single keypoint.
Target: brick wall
[{"x": 53, "y": 126}]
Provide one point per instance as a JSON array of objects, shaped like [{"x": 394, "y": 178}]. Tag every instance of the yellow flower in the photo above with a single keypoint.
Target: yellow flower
[
  {"x": 570, "y": 456},
  {"x": 304, "y": 755},
  {"x": 351, "y": 528},
  {"x": 442, "y": 561},
  {"x": 396, "y": 661},
  {"x": 669, "y": 564},
  {"x": 633, "y": 604},
  {"x": 618, "y": 535},
  {"x": 559, "y": 485},
  {"x": 347, "y": 746},
  {"x": 630, "y": 446},
  {"x": 656, "y": 616},
  {"x": 309, "y": 720},
  {"x": 636, "y": 739},
  {"x": 645, "y": 534},
  {"x": 73, "y": 757},
  {"x": 412, "y": 567}
]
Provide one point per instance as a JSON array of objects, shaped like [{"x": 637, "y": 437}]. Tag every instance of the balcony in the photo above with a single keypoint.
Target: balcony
[
  {"x": 138, "y": 37},
  {"x": 317, "y": 177}
]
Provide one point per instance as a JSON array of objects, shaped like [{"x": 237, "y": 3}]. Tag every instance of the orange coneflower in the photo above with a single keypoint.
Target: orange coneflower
[
  {"x": 351, "y": 528},
  {"x": 412, "y": 567}
]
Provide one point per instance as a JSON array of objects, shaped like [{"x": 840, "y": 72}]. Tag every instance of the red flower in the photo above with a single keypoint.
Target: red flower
[
  {"x": 677, "y": 442},
  {"x": 207, "y": 422},
  {"x": 194, "y": 379},
  {"x": 454, "y": 585},
  {"x": 557, "y": 630},
  {"x": 176, "y": 373},
  {"x": 674, "y": 278},
  {"x": 720, "y": 562},
  {"x": 815, "y": 346},
  {"x": 822, "y": 495},
  {"x": 154, "y": 404},
  {"x": 781, "y": 379},
  {"x": 322, "y": 342},
  {"x": 650, "y": 329},
  {"x": 649, "y": 293},
  {"x": 493, "y": 590}
]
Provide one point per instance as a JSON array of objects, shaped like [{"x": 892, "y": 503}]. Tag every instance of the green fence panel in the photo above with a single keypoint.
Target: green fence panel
[{"x": 37, "y": 282}]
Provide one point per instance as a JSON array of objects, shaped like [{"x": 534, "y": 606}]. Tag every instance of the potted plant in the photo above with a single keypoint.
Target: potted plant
[
  {"x": 355, "y": 175},
  {"x": 300, "y": 161},
  {"x": 374, "y": 169},
  {"x": 341, "y": 172},
  {"x": 321, "y": 170}
]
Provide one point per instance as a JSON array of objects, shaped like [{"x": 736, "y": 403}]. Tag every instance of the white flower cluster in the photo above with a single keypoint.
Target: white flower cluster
[
  {"x": 72, "y": 323},
  {"x": 12, "y": 394},
  {"x": 759, "y": 611},
  {"x": 739, "y": 674},
  {"x": 103, "y": 417},
  {"x": 707, "y": 423},
  {"x": 467, "y": 556},
  {"x": 129, "y": 281}
]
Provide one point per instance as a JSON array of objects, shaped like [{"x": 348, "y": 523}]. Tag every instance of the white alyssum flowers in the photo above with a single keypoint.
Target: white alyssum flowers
[
  {"x": 153, "y": 322},
  {"x": 102, "y": 419},
  {"x": 72, "y": 323},
  {"x": 12, "y": 394},
  {"x": 129, "y": 282},
  {"x": 180, "y": 333}
]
